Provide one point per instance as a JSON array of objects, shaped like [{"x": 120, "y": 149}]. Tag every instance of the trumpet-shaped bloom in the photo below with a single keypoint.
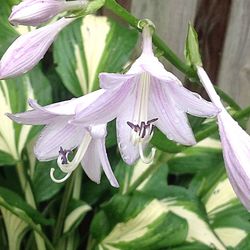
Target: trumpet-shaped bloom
[
  {"x": 145, "y": 97},
  {"x": 28, "y": 49},
  {"x": 235, "y": 145},
  {"x": 59, "y": 138},
  {"x": 36, "y": 12}
]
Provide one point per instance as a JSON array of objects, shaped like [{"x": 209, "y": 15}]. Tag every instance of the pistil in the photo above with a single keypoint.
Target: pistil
[
  {"x": 67, "y": 166},
  {"x": 144, "y": 133}
]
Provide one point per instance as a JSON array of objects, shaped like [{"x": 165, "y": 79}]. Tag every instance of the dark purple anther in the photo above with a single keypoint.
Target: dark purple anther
[
  {"x": 143, "y": 127},
  {"x": 63, "y": 153}
]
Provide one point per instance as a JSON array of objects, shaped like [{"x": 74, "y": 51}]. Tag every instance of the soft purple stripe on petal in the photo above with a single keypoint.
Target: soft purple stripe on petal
[
  {"x": 171, "y": 121},
  {"x": 129, "y": 151},
  {"x": 236, "y": 151},
  {"x": 113, "y": 80},
  {"x": 91, "y": 163},
  {"x": 67, "y": 107},
  {"x": 105, "y": 162},
  {"x": 55, "y": 135},
  {"x": 105, "y": 108},
  {"x": 32, "y": 117},
  {"x": 28, "y": 49},
  {"x": 190, "y": 102}
]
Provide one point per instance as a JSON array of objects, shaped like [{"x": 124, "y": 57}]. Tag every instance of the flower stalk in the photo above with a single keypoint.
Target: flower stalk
[{"x": 158, "y": 42}]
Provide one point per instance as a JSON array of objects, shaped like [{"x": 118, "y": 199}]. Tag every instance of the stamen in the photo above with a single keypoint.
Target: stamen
[
  {"x": 67, "y": 166},
  {"x": 144, "y": 133},
  {"x": 143, "y": 128},
  {"x": 64, "y": 155},
  {"x": 146, "y": 159},
  {"x": 52, "y": 170}
]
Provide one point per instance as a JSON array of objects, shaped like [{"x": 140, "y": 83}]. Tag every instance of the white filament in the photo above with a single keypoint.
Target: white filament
[
  {"x": 146, "y": 159},
  {"x": 52, "y": 170},
  {"x": 141, "y": 106},
  {"x": 72, "y": 165}
]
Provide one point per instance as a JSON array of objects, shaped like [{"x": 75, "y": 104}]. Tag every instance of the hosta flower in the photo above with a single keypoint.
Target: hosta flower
[
  {"x": 145, "y": 97},
  {"x": 28, "y": 49},
  {"x": 35, "y": 12},
  {"x": 59, "y": 138},
  {"x": 235, "y": 145}
]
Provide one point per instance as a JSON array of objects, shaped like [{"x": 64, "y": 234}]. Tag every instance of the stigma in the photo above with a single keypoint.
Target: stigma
[{"x": 142, "y": 134}]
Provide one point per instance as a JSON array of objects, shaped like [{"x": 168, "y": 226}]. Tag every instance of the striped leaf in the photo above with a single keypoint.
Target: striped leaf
[
  {"x": 15, "y": 228},
  {"x": 89, "y": 46},
  {"x": 143, "y": 222},
  {"x": 14, "y": 94},
  {"x": 77, "y": 211}
]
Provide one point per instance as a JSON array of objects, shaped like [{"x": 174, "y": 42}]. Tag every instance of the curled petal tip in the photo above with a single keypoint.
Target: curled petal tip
[
  {"x": 116, "y": 185},
  {"x": 12, "y": 117}
]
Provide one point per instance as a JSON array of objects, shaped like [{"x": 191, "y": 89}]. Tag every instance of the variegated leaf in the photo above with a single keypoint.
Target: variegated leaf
[
  {"x": 14, "y": 94},
  {"x": 89, "y": 46}
]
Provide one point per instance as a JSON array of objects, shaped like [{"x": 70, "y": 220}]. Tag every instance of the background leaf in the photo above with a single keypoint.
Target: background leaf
[{"x": 98, "y": 45}]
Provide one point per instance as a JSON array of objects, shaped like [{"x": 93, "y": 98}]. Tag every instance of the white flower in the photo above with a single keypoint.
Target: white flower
[
  {"x": 235, "y": 145},
  {"x": 59, "y": 138},
  {"x": 28, "y": 49},
  {"x": 146, "y": 96}
]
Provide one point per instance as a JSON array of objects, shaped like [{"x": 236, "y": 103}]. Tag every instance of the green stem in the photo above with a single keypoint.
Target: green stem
[
  {"x": 71, "y": 240},
  {"x": 158, "y": 42},
  {"x": 29, "y": 197},
  {"x": 63, "y": 209},
  {"x": 160, "y": 158},
  {"x": 213, "y": 128}
]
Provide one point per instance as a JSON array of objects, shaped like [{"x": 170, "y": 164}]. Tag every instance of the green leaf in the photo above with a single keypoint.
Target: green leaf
[
  {"x": 76, "y": 213},
  {"x": 140, "y": 221},
  {"x": 191, "y": 51},
  {"x": 43, "y": 187},
  {"x": 15, "y": 228},
  {"x": 161, "y": 142},
  {"x": 155, "y": 184},
  {"x": 97, "y": 44},
  {"x": 137, "y": 222},
  {"x": 14, "y": 94},
  {"x": 195, "y": 159},
  {"x": 18, "y": 206}
]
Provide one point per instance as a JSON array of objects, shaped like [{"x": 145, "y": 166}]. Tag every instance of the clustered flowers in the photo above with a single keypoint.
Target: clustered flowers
[{"x": 145, "y": 97}]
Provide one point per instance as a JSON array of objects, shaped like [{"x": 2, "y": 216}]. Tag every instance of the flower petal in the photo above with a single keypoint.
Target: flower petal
[
  {"x": 32, "y": 117},
  {"x": 112, "y": 80},
  {"x": 68, "y": 107},
  {"x": 105, "y": 108},
  {"x": 171, "y": 121},
  {"x": 236, "y": 152},
  {"x": 91, "y": 163},
  {"x": 105, "y": 162},
  {"x": 129, "y": 151},
  {"x": 28, "y": 49},
  {"x": 157, "y": 70},
  {"x": 190, "y": 102},
  {"x": 44, "y": 115},
  {"x": 55, "y": 135}
]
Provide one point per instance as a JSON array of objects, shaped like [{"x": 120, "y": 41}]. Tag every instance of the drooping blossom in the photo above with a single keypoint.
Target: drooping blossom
[
  {"x": 59, "y": 138},
  {"x": 36, "y": 12},
  {"x": 235, "y": 145},
  {"x": 145, "y": 97},
  {"x": 28, "y": 49}
]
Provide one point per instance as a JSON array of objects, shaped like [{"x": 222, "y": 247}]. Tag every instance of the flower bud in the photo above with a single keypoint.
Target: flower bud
[
  {"x": 36, "y": 12},
  {"x": 28, "y": 49}
]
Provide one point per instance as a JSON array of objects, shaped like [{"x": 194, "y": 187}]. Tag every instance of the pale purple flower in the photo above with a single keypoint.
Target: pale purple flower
[
  {"x": 59, "y": 138},
  {"x": 235, "y": 145},
  {"x": 36, "y": 12},
  {"x": 145, "y": 97},
  {"x": 28, "y": 49}
]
